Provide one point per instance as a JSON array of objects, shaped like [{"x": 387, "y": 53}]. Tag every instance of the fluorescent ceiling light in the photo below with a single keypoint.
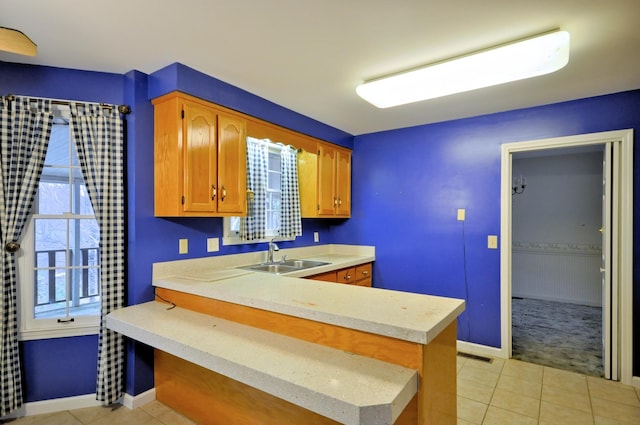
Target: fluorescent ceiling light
[
  {"x": 15, "y": 41},
  {"x": 515, "y": 61}
]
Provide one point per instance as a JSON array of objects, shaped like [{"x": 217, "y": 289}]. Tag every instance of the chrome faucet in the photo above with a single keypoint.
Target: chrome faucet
[{"x": 272, "y": 247}]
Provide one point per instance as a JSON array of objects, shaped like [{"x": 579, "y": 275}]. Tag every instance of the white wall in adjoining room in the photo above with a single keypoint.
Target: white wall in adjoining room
[{"x": 557, "y": 243}]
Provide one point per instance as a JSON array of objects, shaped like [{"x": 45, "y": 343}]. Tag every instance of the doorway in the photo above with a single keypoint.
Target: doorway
[
  {"x": 617, "y": 312},
  {"x": 556, "y": 258}
]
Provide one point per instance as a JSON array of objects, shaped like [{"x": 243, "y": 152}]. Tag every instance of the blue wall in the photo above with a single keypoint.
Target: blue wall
[
  {"x": 47, "y": 364},
  {"x": 179, "y": 77},
  {"x": 408, "y": 184},
  {"x": 150, "y": 239}
]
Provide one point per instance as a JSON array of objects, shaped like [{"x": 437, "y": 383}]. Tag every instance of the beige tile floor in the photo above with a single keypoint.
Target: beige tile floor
[
  {"x": 512, "y": 392},
  {"x": 502, "y": 392},
  {"x": 153, "y": 413}
]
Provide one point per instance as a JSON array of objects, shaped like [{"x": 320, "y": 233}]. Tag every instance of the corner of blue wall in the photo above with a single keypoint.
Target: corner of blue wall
[
  {"x": 139, "y": 357},
  {"x": 188, "y": 80}
]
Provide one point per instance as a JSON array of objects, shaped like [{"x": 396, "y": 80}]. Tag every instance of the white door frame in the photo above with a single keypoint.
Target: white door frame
[{"x": 623, "y": 166}]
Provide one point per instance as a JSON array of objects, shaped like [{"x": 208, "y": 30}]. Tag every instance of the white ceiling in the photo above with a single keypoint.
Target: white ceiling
[{"x": 309, "y": 55}]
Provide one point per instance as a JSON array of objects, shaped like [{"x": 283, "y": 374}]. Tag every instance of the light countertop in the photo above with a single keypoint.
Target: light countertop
[
  {"x": 402, "y": 315},
  {"x": 348, "y": 388}
]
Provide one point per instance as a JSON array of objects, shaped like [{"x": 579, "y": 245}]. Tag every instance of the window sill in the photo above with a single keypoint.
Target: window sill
[{"x": 34, "y": 334}]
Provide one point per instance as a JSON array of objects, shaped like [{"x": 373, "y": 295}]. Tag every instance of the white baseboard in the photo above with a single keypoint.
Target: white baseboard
[
  {"x": 55, "y": 405},
  {"x": 78, "y": 402},
  {"x": 479, "y": 350},
  {"x": 133, "y": 402},
  {"x": 635, "y": 381}
]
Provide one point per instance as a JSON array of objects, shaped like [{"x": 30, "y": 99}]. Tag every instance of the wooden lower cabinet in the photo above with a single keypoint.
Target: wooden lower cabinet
[
  {"x": 358, "y": 275},
  {"x": 212, "y": 399}
]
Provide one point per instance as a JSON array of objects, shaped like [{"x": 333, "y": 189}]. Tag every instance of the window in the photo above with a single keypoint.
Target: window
[
  {"x": 274, "y": 206},
  {"x": 273, "y": 203},
  {"x": 59, "y": 266}
]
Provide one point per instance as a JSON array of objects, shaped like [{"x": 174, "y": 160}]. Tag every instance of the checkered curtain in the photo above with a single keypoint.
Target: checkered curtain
[
  {"x": 253, "y": 226},
  {"x": 99, "y": 136},
  {"x": 25, "y": 127},
  {"x": 290, "y": 221}
]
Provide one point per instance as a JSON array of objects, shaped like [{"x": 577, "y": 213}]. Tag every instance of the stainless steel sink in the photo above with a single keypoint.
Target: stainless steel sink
[
  {"x": 285, "y": 266},
  {"x": 303, "y": 264},
  {"x": 271, "y": 268}
]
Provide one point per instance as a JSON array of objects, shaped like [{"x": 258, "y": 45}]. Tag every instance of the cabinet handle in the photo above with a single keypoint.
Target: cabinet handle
[
  {"x": 224, "y": 193},
  {"x": 335, "y": 201},
  {"x": 339, "y": 202},
  {"x": 347, "y": 276},
  {"x": 214, "y": 192},
  {"x": 365, "y": 272}
]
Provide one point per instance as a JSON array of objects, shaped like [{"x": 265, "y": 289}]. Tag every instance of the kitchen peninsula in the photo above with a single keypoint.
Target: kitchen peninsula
[{"x": 252, "y": 347}]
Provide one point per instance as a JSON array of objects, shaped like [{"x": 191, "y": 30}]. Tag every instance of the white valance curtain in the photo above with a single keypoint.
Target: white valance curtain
[{"x": 253, "y": 226}]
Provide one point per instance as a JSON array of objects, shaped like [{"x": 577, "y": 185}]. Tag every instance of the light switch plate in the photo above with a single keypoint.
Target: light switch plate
[
  {"x": 316, "y": 237},
  {"x": 213, "y": 245},
  {"x": 183, "y": 246},
  {"x": 492, "y": 241},
  {"x": 461, "y": 214}
]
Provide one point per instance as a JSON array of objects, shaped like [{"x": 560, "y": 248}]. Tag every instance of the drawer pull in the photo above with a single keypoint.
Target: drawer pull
[{"x": 365, "y": 272}]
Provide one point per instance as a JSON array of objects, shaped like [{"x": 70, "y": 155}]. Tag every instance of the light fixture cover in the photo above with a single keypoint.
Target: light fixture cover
[
  {"x": 15, "y": 41},
  {"x": 515, "y": 61}
]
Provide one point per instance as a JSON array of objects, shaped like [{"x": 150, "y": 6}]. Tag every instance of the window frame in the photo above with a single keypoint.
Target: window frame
[{"x": 29, "y": 327}]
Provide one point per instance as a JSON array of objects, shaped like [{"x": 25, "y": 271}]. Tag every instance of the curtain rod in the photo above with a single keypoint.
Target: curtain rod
[{"x": 123, "y": 109}]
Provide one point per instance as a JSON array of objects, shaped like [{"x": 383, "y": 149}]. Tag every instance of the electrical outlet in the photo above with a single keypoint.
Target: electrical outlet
[
  {"x": 461, "y": 214},
  {"x": 492, "y": 241},
  {"x": 213, "y": 245},
  {"x": 183, "y": 246},
  {"x": 316, "y": 237}
]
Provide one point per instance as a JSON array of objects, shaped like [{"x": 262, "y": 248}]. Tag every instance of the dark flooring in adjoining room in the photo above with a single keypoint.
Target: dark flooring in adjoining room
[{"x": 560, "y": 335}]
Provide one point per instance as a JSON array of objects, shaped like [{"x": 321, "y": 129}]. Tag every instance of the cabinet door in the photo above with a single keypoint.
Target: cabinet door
[
  {"x": 232, "y": 165},
  {"x": 343, "y": 183},
  {"x": 308, "y": 183},
  {"x": 327, "y": 199},
  {"x": 199, "y": 154}
]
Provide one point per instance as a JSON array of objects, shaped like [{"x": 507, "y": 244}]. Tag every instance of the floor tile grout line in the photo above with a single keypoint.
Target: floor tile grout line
[
  {"x": 492, "y": 394},
  {"x": 593, "y": 413}
]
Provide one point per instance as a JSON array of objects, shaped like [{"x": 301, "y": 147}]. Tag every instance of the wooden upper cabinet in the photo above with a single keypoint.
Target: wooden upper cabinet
[
  {"x": 199, "y": 158},
  {"x": 343, "y": 183},
  {"x": 232, "y": 166},
  {"x": 327, "y": 199},
  {"x": 325, "y": 182}
]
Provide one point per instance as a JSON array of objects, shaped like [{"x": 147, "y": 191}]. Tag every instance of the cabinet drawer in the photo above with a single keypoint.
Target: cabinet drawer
[
  {"x": 346, "y": 275},
  {"x": 363, "y": 272}
]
